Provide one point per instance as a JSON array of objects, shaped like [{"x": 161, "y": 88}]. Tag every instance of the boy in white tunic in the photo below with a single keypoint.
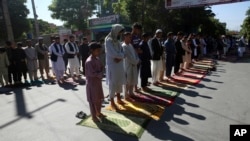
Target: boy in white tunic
[
  {"x": 31, "y": 56},
  {"x": 130, "y": 65},
  {"x": 73, "y": 50},
  {"x": 114, "y": 62}
]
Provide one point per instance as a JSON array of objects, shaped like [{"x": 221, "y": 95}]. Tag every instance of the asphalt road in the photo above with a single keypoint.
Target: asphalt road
[{"x": 201, "y": 113}]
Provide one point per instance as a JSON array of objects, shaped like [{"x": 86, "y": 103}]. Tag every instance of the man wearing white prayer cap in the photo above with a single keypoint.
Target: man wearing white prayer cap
[{"x": 157, "y": 53}]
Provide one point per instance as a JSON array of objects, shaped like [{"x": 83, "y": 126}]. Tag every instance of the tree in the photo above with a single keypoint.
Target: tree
[
  {"x": 44, "y": 27},
  {"x": 74, "y": 12},
  {"x": 154, "y": 15},
  {"x": 245, "y": 27},
  {"x": 18, "y": 19}
]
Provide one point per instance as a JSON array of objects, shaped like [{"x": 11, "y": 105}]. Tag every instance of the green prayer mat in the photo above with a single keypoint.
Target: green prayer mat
[
  {"x": 119, "y": 123},
  {"x": 163, "y": 92}
]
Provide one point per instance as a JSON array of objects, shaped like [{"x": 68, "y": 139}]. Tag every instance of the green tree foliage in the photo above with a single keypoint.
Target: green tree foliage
[
  {"x": 245, "y": 27},
  {"x": 18, "y": 16},
  {"x": 44, "y": 27},
  {"x": 74, "y": 12},
  {"x": 152, "y": 14}
]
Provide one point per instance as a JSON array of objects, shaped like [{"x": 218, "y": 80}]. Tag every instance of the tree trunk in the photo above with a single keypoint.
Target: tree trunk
[{"x": 7, "y": 20}]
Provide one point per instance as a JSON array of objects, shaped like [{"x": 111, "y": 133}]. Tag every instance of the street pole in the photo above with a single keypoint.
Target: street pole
[
  {"x": 35, "y": 19},
  {"x": 143, "y": 12},
  {"x": 7, "y": 20}
]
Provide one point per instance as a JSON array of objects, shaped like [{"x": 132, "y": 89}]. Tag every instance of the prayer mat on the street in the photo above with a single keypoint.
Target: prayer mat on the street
[
  {"x": 172, "y": 85},
  {"x": 158, "y": 91},
  {"x": 186, "y": 80},
  {"x": 207, "y": 60},
  {"x": 119, "y": 123},
  {"x": 70, "y": 81},
  {"x": 206, "y": 64},
  {"x": 202, "y": 66},
  {"x": 197, "y": 71},
  {"x": 192, "y": 75},
  {"x": 145, "y": 110},
  {"x": 146, "y": 98}
]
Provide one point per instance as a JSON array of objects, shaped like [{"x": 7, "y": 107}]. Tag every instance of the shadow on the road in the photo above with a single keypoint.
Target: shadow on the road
[
  {"x": 215, "y": 75},
  {"x": 21, "y": 108},
  {"x": 161, "y": 130},
  {"x": 181, "y": 101},
  {"x": 219, "y": 82},
  {"x": 194, "y": 94},
  {"x": 203, "y": 86},
  {"x": 20, "y": 104}
]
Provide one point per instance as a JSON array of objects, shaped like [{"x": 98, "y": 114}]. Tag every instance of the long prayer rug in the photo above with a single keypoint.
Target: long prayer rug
[
  {"x": 119, "y": 123},
  {"x": 172, "y": 85},
  {"x": 205, "y": 63},
  {"x": 202, "y": 66},
  {"x": 146, "y": 98},
  {"x": 192, "y": 75},
  {"x": 145, "y": 110},
  {"x": 197, "y": 71},
  {"x": 186, "y": 80},
  {"x": 158, "y": 91}
]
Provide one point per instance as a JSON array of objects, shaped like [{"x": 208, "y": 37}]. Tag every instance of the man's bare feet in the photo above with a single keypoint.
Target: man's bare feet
[
  {"x": 128, "y": 98},
  {"x": 101, "y": 115},
  {"x": 145, "y": 89},
  {"x": 119, "y": 101},
  {"x": 156, "y": 83},
  {"x": 113, "y": 105}
]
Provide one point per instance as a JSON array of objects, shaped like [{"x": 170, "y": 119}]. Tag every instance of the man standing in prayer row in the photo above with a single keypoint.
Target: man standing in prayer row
[
  {"x": 179, "y": 53},
  {"x": 43, "y": 58},
  {"x": 84, "y": 53},
  {"x": 157, "y": 52},
  {"x": 130, "y": 66},
  {"x": 19, "y": 59},
  {"x": 136, "y": 39},
  {"x": 58, "y": 66},
  {"x": 31, "y": 56},
  {"x": 114, "y": 62},
  {"x": 145, "y": 57},
  {"x": 170, "y": 54},
  {"x": 73, "y": 50}
]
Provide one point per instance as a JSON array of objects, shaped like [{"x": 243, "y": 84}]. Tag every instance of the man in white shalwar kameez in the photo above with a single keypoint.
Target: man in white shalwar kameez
[
  {"x": 73, "y": 50},
  {"x": 57, "y": 52},
  {"x": 114, "y": 61},
  {"x": 130, "y": 65},
  {"x": 31, "y": 56}
]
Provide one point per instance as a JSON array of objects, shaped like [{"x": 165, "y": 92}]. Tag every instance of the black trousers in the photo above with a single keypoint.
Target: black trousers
[
  {"x": 144, "y": 81},
  {"x": 83, "y": 64},
  {"x": 65, "y": 59},
  {"x": 169, "y": 64},
  {"x": 178, "y": 61},
  {"x": 11, "y": 74}
]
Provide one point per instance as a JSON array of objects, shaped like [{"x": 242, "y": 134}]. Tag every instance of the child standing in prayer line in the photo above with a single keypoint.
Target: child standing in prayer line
[
  {"x": 94, "y": 74},
  {"x": 130, "y": 65}
]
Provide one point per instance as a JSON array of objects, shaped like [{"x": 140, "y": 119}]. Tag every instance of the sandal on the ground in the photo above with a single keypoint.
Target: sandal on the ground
[{"x": 81, "y": 115}]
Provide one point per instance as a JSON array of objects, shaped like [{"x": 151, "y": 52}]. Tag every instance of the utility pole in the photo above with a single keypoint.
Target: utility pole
[
  {"x": 35, "y": 19},
  {"x": 7, "y": 20},
  {"x": 143, "y": 12}
]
